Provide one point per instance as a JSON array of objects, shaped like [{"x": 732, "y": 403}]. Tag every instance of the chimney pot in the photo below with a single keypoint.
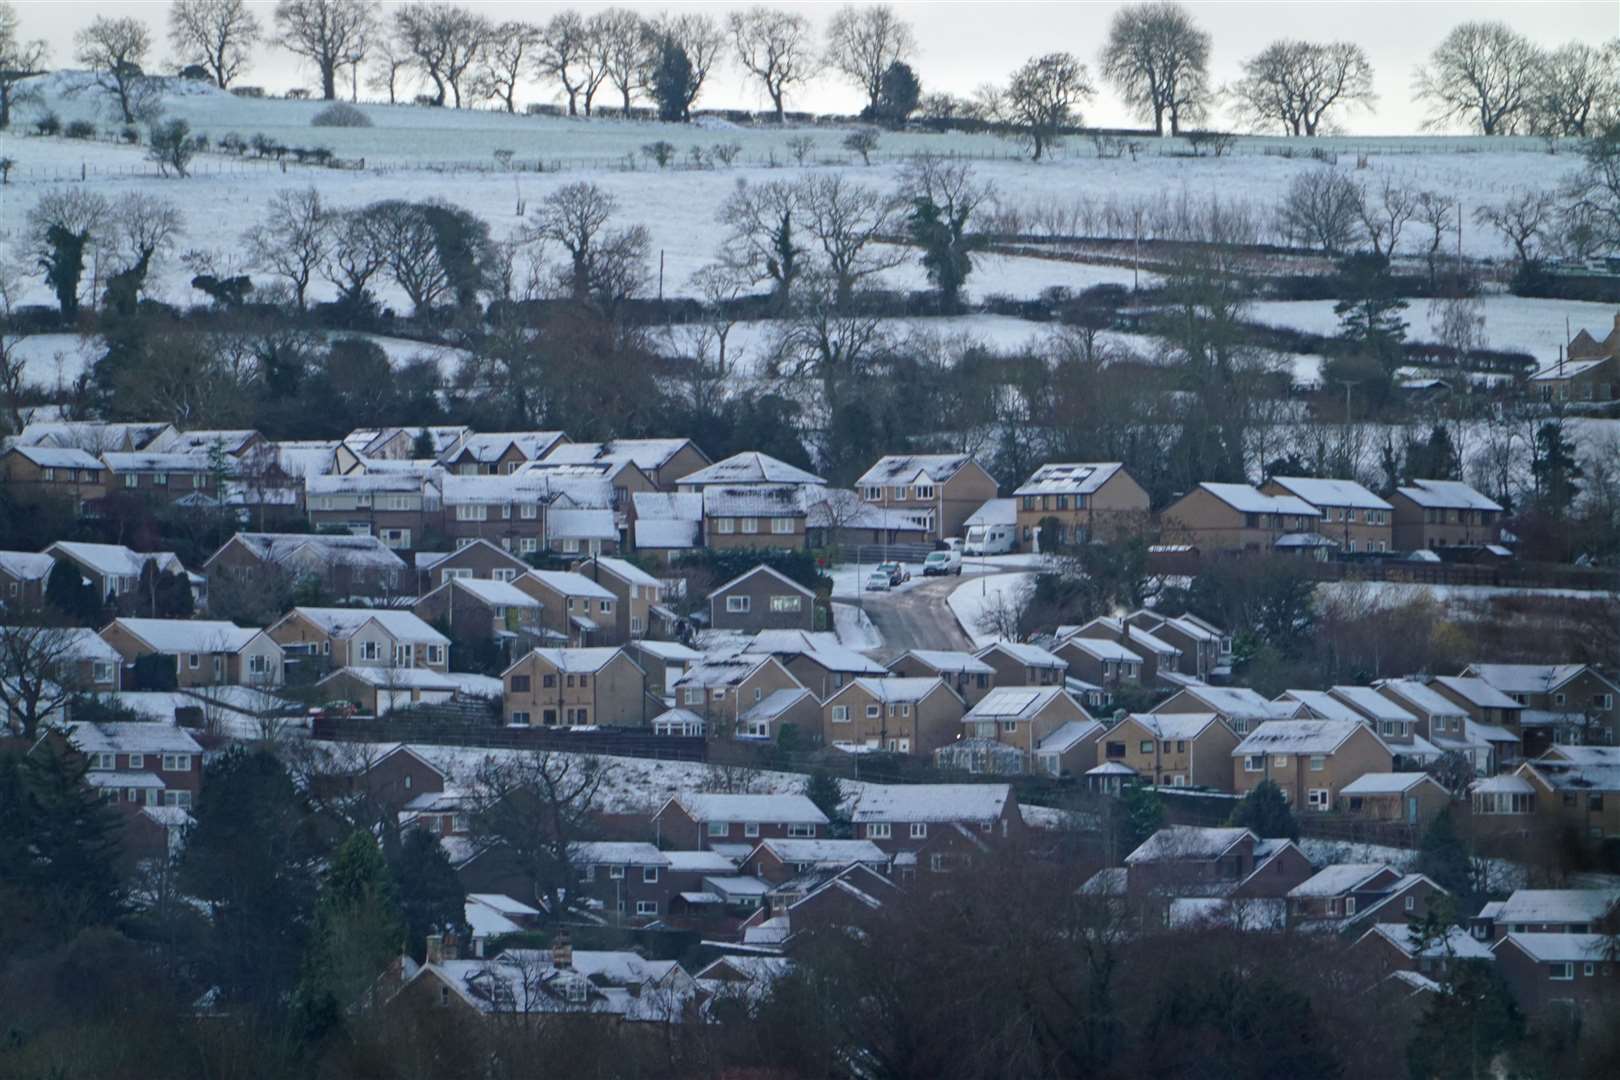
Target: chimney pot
[{"x": 562, "y": 952}]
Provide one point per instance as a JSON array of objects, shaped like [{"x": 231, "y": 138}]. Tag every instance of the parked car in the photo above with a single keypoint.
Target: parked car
[
  {"x": 896, "y": 571},
  {"x": 878, "y": 581},
  {"x": 942, "y": 563}
]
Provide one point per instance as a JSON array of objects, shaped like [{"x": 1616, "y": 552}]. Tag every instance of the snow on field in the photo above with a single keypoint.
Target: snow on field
[
  {"x": 1512, "y": 323},
  {"x": 855, "y": 629},
  {"x": 1396, "y": 593},
  {"x": 54, "y": 360},
  {"x": 970, "y": 601},
  {"x": 1501, "y": 875}
]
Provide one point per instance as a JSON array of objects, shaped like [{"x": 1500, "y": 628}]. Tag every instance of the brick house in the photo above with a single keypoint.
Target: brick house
[
  {"x": 165, "y": 477},
  {"x": 947, "y": 487},
  {"x": 816, "y": 659},
  {"x": 609, "y": 487},
  {"x": 637, "y": 591},
  {"x": 1588, "y": 370},
  {"x": 389, "y": 783},
  {"x": 1312, "y": 761},
  {"x": 573, "y": 607},
  {"x": 1071, "y": 750},
  {"x": 497, "y": 453},
  {"x": 1550, "y": 911},
  {"x": 664, "y": 461},
  {"x": 698, "y": 821},
  {"x": 1562, "y": 703},
  {"x": 398, "y": 508},
  {"x": 1558, "y": 974},
  {"x": 720, "y": 691},
  {"x": 204, "y": 652},
  {"x": 1442, "y": 513},
  {"x": 329, "y": 638},
  {"x": 969, "y": 676},
  {"x": 1351, "y": 515},
  {"x": 1206, "y": 650},
  {"x": 1492, "y": 715},
  {"x": 1022, "y": 717},
  {"x": 664, "y": 662},
  {"x": 1020, "y": 664},
  {"x": 1095, "y": 501},
  {"x": 900, "y": 818},
  {"x": 480, "y": 559},
  {"x": 1236, "y": 517},
  {"x": 1411, "y": 797},
  {"x": 762, "y": 599},
  {"x": 778, "y": 861},
  {"x": 23, "y": 577},
  {"x": 629, "y": 879},
  {"x": 1101, "y": 662},
  {"x": 480, "y": 609},
  {"x": 1389, "y": 946},
  {"x": 97, "y": 436},
  {"x": 748, "y": 467},
  {"x": 140, "y": 764},
  {"x": 114, "y": 570},
  {"x": 1239, "y": 707},
  {"x": 906, "y": 716},
  {"x": 548, "y": 687},
  {"x": 507, "y": 510},
  {"x": 1573, "y": 797},
  {"x": 765, "y": 719},
  {"x": 1441, "y": 721},
  {"x": 749, "y": 516},
  {"x": 66, "y": 473},
  {"x": 1173, "y": 749},
  {"x": 347, "y": 566}
]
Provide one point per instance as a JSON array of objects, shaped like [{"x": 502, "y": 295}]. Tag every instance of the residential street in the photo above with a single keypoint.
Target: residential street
[{"x": 916, "y": 618}]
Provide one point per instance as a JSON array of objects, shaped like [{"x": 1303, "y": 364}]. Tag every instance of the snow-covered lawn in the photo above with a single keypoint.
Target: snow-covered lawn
[
  {"x": 971, "y": 600},
  {"x": 855, "y": 629}
]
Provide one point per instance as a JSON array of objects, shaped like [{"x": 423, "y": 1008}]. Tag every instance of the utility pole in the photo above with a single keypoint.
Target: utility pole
[{"x": 1348, "y": 385}]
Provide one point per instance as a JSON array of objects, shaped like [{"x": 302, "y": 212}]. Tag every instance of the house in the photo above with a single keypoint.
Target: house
[
  {"x": 664, "y": 461},
  {"x": 779, "y": 861},
  {"x": 947, "y": 488},
  {"x": 1442, "y": 513},
  {"x": 343, "y": 566},
  {"x": 815, "y": 658},
  {"x": 748, "y": 468},
  {"x": 1312, "y": 761},
  {"x": 699, "y": 821},
  {"x": 204, "y": 652},
  {"x": 1239, "y": 707},
  {"x": 1206, "y": 650},
  {"x": 904, "y": 716},
  {"x": 1552, "y": 911},
  {"x": 23, "y": 577},
  {"x": 1238, "y": 517},
  {"x": 1411, "y": 798},
  {"x": 482, "y": 610},
  {"x": 1101, "y": 662},
  {"x": 1570, "y": 798},
  {"x": 762, "y": 599},
  {"x": 765, "y": 719},
  {"x": 51, "y": 660},
  {"x": 637, "y": 592},
  {"x": 1224, "y": 863},
  {"x": 379, "y": 690},
  {"x": 575, "y": 687},
  {"x": 388, "y": 782},
  {"x": 321, "y": 638},
  {"x": 667, "y": 524},
  {"x": 1071, "y": 750},
  {"x": 499, "y": 453},
  {"x": 1440, "y": 721},
  {"x": 574, "y": 608},
  {"x": 492, "y": 915},
  {"x": 1173, "y": 749},
  {"x": 1392, "y": 946},
  {"x": 67, "y": 473},
  {"x": 138, "y": 764},
  {"x": 721, "y": 690},
  {"x": 1564, "y": 975},
  {"x": 1588, "y": 370},
  {"x": 664, "y": 662},
  {"x": 902, "y": 818},
  {"x": 969, "y": 676},
  {"x": 396, "y": 444},
  {"x": 479, "y": 559},
  {"x": 1352, "y": 516},
  {"x": 609, "y": 488},
  {"x": 1561, "y": 703},
  {"x": 1394, "y": 724},
  {"x": 1020, "y": 664},
  {"x": 114, "y": 570},
  {"x": 395, "y": 507},
  {"x": 97, "y": 437},
  {"x": 754, "y": 516},
  {"x": 626, "y": 880},
  {"x": 612, "y": 987},
  {"x": 1339, "y": 891},
  {"x": 1080, "y": 503},
  {"x": 506, "y": 510},
  {"x": 1022, "y": 718},
  {"x": 1493, "y": 715}
]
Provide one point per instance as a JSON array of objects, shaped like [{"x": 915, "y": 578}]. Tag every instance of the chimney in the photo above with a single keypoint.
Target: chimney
[
  {"x": 452, "y": 947},
  {"x": 435, "y": 949},
  {"x": 562, "y": 952}
]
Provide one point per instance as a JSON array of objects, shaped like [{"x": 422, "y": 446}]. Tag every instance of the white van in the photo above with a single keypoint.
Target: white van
[{"x": 990, "y": 539}]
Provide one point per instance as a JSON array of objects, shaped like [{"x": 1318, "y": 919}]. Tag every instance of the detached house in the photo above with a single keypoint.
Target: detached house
[
  {"x": 55, "y": 472},
  {"x": 905, "y": 716},
  {"x": 574, "y": 608},
  {"x": 762, "y": 599},
  {"x": 754, "y": 516},
  {"x": 23, "y": 576},
  {"x": 204, "y": 653},
  {"x": 1086, "y": 502},
  {"x": 114, "y": 570},
  {"x": 1018, "y": 719},
  {"x": 694, "y": 821},
  {"x": 1239, "y": 517},
  {"x": 1172, "y": 749},
  {"x": 1561, "y": 703},
  {"x": 1018, "y": 664},
  {"x": 345, "y": 566},
  {"x": 902, "y": 818},
  {"x": 326, "y": 638},
  {"x": 748, "y": 468},
  {"x": 139, "y": 765},
  {"x": 720, "y": 691},
  {"x": 548, "y": 687},
  {"x": 1353, "y": 517},
  {"x": 479, "y": 560},
  {"x": 1442, "y": 513},
  {"x": 947, "y": 487},
  {"x": 969, "y": 676},
  {"x": 1192, "y": 861},
  {"x": 1559, "y": 974},
  {"x": 1312, "y": 761},
  {"x": 639, "y": 594},
  {"x": 499, "y": 453}
]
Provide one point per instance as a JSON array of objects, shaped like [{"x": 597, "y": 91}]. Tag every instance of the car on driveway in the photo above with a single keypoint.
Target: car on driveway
[
  {"x": 878, "y": 581},
  {"x": 942, "y": 563},
  {"x": 896, "y": 571}
]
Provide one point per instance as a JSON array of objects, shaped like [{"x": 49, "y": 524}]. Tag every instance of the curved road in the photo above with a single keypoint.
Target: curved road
[{"x": 916, "y": 618}]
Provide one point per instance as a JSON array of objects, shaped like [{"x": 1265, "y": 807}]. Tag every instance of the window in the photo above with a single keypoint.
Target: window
[
  {"x": 370, "y": 650},
  {"x": 506, "y": 574},
  {"x": 787, "y": 603},
  {"x": 750, "y": 828},
  {"x": 435, "y": 654},
  {"x": 725, "y": 526},
  {"x": 528, "y": 511},
  {"x": 878, "y": 830},
  {"x": 1010, "y": 726},
  {"x": 576, "y": 989},
  {"x": 472, "y": 513},
  {"x": 1254, "y": 763},
  {"x": 719, "y": 828},
  {"x": 176, "y": 763},
  {"x": 1146, "y": 747},
  {"x": 1561, "y": 972},
  {"x": 694, "y": 696},
  {"x": 192, "y": 661},
  {"x": 528, "y": 545},
  {"x": 649, "y": 874},
  {"x": 738, "y": 604},
  {"x": 919, "y": 830},
  {"x": 1588, "y": 970},
  {"x": 647, "y": 907},
  {"x": 1115, "y": 750},
  {"x": 840, "y": 714},
  {"x": 520, "y": 684},
  {"x": 872, "y": 493},
  {"x": 103, "y": 671},
  {"x": 802, "y": 832},
  {"x": 781, "y": 526},
  {"x": 616, "y": 873},
  {"x": 137, "y": 761},
  {"x": 160, "y": 479},
  {"x": 181, "y": 799},
  {"x": 1411, "y": 903},
  {"x": 1319, "y": 798},
  {"x": 521, "y": 718},
  {"x": 923, "y": 491},
  {"x": 1279, "y": 761},
  {"x": 548, "y": 681},
  {"x": 1318, "y": 762},
  {"x": 873, "y": 712},
  {"x": 749, "y": 525},
  {"x": 1349, "y": 905}
]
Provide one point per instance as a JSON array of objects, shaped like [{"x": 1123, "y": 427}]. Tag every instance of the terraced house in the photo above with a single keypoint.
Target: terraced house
[
  {"x": 947, "y": 488},
  {"x": 396, "y": 508},
  {"x": 1083, "y": 502},
  {"x": 1443, "y": 513},
  {"x": 1239, "y": 517}
]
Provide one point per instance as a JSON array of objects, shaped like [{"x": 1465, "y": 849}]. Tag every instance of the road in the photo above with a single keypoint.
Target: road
[{"x": 916, "y": 618}]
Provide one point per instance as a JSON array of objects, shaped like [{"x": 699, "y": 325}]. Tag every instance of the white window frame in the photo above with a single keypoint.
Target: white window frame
[
  {"x": 719, "y": 828},
  {"x": 782, "y": 526},
  {"x": 919, "y": 830},
  {"x": 840, "y": 714},
  {"x": 649, "y": 875},
  {"x": 738, "y": 605},
  {"x": 646, "y": 907},
  {"x": 878, "y": 830},
  {"x": 1254, "y": 763},
  {"x": 750, "y": 829}
]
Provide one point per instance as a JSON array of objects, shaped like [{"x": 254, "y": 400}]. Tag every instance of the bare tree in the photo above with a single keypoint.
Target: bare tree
[
  {"x": 849, "y": 222},
  {"x": 388, "y": 58},
  {"x": 863, "y": 43},
  {"x": 143, "y": 227},
  {"x": 510, "y": 52},
  {"x": 1523, "y": 220},
  {"x": 1043, "y": 99},
  {"x": 776, "y": 47},
  {"x": 626, "y": 49},
  {"x": 761, "y": 218},
  {"x": 19, "y": 60},
  {"x": 703, "y": 39},
  {"x": 1158, "y": 60},
  {"x": 603, "y": 263},
  {"x": 1384, "y": 215},
  {"x": 1482, "y": 74},
  {"x": 720, "y": 284},
  {"x": 116, "y": 51},
  {"x": 565, "y": 54},
  {"x": 944, "y": 195},
  {"x": 327, "y": 33},
  {"x": 293, "y": 239},
  {"x": 1576, "y": 89},
  {"x": 38, "y": 671},
  {"x": 1438, "y": 214},
  {"x": 1321, "y": 210},
  {"x": 405, "y": 233},
  {"x": 445, "y": 41},
  {"x": 356, "y": 253},
  {"x": 1296, "y": 84},
  {"x": 218, "y": 34},
  {"x": 1592, "y": 196}
]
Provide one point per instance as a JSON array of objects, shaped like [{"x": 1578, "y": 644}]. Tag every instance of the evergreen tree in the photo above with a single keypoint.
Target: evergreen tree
[
  {"x": 72, "y": 838},
  {"x": 430, "y": 894},
  {"x": 898, "y": 95},
  {"x": 1435, "y": 458},
  {"x": 72, "y": 596},
  {"x": 947, "y": 248},
  {"x": 1466, "y": 1026},
  {"x": 1143, "y": 816},
  {"x": 64, "y": 266},
  {"x": 1555, "y": 468},
  {"x": 822, "y": 788},
  {"x": 358, "y": 930},
  {"x": 422, "y": 445},
  {"x": 1369, "y": 310},
  {"x": 1265, "y": 812},
  {"x": 672, "y": 82},
  {"x": 1444, "y": 857}
]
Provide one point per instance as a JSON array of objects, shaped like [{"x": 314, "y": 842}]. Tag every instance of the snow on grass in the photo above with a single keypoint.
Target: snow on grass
[
  {"x": 53, "y": 361},
  {"x": 970, "y": 602},
  {"x": 1388, "y": 594},
  {"x": 1501, "y": 875},
  {"x": 855, "y": 629}
]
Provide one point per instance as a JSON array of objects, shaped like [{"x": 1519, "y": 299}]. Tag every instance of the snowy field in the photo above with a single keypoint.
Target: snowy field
[{"x": 1396, "y": 593}]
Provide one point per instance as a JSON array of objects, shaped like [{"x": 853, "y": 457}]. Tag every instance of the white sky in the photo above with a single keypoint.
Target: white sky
[{"x": 963, "y": 43}]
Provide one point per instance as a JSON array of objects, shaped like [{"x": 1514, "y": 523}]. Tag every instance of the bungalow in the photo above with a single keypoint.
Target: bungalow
[
  {"x": 613, "y": 987},
  {"x": 325, "y": 638},
  {"x": 1237, "y": 517},
  {"x": 1083, "y": 503},
  {"x": 905, "y": 716},
  {"x": 68, "y": 473},
  {"x": 748, "y": 468},
  {"x": 548, "y": 687},
  {"x": 380, "y": 690},
  {"x": 969, "y": 676},
  {"x": 1442, "y": 513},
  {"x": 499, "y": 453},
  {"x": 1019, "y": 664},
  {"x": 204, "y": 652},
  {"x": 1411, "y": 798},
  {"x": 23, "y": 577},
  {"x": 945, "y": 487},
  {"x": 1354, "y": 517},
  {"x": 762, "y": 599},
  {"x": 1173, "y": 749},
  {"x": 722, "y": 690},
  {"x": 1310, "y": 760},
  {"x": 574, "y": 608},
  {"x": 702, "y": 821}
]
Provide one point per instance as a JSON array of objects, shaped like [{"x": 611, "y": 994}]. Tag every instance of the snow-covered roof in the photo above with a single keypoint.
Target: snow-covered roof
[
  {"x": 616, "y": 852},
  {"x": 1331, "y": 492},
  {"x": 1026, "y": 654},
  {"x": 1385, "y": 783},
  {"x": 773, "y": 705},
  {"x": 1371, "y": 703},
  {"x": 649, "y": 455},
  {"x": 753, "y": 500},
  {"x": 189, "y": 635},
  {"x": 699, "y": 862},
  {"x": 668, "y": 650},
  {"x": 94, "y": 435},
  {"x": 232, "y": 441},
  {"x": 1102, "y": 649},
  {"x": 144, "y": 780},
  {"x": 486, "y": 922},
  {"x": 1586, "y": 755},
  {"x": 825, "y": 852},
  {"x": 783, "y": 809},
  {"x": 397, "y": 678},
  {"x": 1299, "y": 737},
  {"x": 1477, "y": 692},
  {"x": 569, "y": 583},
  {"x": 762, "y": 569},
  {"x": 493, "y": 593},
  {"x": 405, "y": 627},
  {"x": 1070, "y": 735},
  {"x": 667, "y": 505},
  {"x": 1305, "y": 540},
  {"x": 587, "y": 660},
  {"x": 131, "y": 738},
  {"x": 569, "y": 523},
  {"x": 750, "y": 467},
  {"x": 1505, "y": 784},
  {"x": 1014, "y": 703},
  {"x": 1568, "y": 369},
  {"x": 667, "y": 533},
  {"x": 358, "y": 552},
  {"x": 1111, "y": 768},
  {"x": 929, "y": 802},
  {"x": 907, "y": 468},
  {"x": 1456, "y": 942},
  {"x": 948, "y": 663},
  {"x": 1526, "y": 678},
  {"x": 623, "y": 569},
  {"x": 730, "y": 883},
  {"x": 1557, "y": 905},
  {"x": 1561, "y": 948},
  {"x": 122, "y": 461},
  {"x": 1069, "y": 478},
  {"x": 1175, "y": 842},
  {"x": 1420, "y": 697},
  {"x": 1175, "y": 725},
  {"x": 994, "y": 512},
  {"x": 1248, "y": 499},
  {"x": 897, "y": 691},
  {"x": 59, "y": 457},
  {"x": 26, "y": 565},
  {"x": 1322, "y": 704},
  {"x": 1338, "y": 879},
  {"x": 724, "y": 671},
  {"x": 1446, "y": 495},
  {"x": 1238, "y": 702},
  {"x": 114, "y": 560},
  {"x": 488, "y": 447}
]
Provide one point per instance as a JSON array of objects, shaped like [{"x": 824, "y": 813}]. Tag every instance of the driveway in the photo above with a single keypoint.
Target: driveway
[{"x": 916, "y": 618}]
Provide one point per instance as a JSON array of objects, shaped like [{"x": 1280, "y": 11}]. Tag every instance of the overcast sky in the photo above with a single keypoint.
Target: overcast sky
[{"x": 963, "y": 44}]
